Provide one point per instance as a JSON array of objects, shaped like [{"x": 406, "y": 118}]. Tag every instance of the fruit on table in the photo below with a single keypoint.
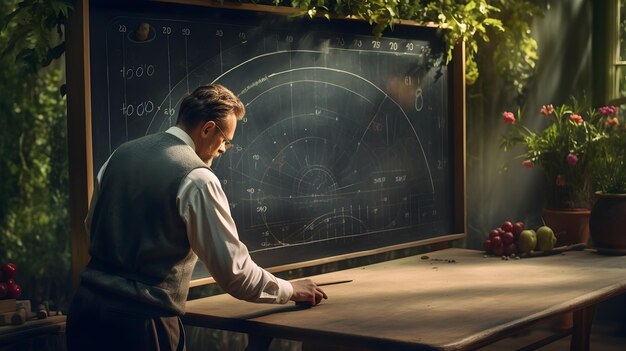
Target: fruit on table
[
  {"x": 14, "y": 291},
  {"x": 502, "y": 240},
  {"x": 496, "y": 241},
  {"x": 507, "y": 226},
  {"x": 9, "y": 289},
  {"x": 8, "y": 270},
  {"x": 487, "y": 246},
  {"x": 527, "y": 241},
  {"x": 493, "y": 232},
  {"x": 545, "y": 238},
  {"x": 498, "y": 251},
  {"x": 509, "y": 249},
  {"x": 518, "y": 227},
  {"x": 507, "y": 238}
]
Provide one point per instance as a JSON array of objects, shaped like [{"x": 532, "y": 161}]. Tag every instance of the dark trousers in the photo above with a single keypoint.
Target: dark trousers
[{"x": 98, "y": 321}]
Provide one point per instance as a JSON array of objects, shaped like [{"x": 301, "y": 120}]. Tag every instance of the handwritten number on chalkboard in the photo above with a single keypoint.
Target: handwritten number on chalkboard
[
  {"x": 138, "y": 72},
  {"x": 141, "y": 109},
  {"x": 121, "y": 28},
  {"x": 185, "y": 31},
  {"x": 375, "y": 44},
  {"x": 419, "y": 99},
  {"x": 357, "y": 43},
  {"x": 393, "y": 46},
  {"x": 379, "y": 180},
  {"x": 410, "y": 46},
  {"x": 167, "y": 30}
]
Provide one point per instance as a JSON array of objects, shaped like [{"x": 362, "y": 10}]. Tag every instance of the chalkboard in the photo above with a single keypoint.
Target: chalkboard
[{"x": 347, "y": 142}]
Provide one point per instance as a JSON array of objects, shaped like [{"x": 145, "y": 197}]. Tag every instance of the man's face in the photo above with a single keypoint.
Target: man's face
[{"x": 216, "y": 138}]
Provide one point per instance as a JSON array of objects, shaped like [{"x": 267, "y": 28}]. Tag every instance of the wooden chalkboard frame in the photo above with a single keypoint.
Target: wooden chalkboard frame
[{"x": 80, "y": 137}]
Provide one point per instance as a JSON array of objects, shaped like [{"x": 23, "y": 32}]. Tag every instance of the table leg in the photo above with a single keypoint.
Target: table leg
[
  {"x": 258, "y": 342},
  {"x": 582, "y": 328}
]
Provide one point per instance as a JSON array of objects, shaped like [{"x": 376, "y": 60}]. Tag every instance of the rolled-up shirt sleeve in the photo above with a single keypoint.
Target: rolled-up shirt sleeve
[{"x": 213, "y": 237}]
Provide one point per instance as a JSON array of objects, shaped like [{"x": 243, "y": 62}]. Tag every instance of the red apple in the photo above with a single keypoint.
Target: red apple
[
  {"x": 4, "y": 289},
  {"x": 15, "y": 291},
  {"x": 507, "y": 226},
  {"x": 8, "y": 270},
  {"x": 498, "y": 251},
  {"x": 496, "y": 241},
  {"x": 487, "y": 246},
  {"x": 509, "y": 249},
  {"x": 518, "y": 227},
  {"x": 507, "y": 238},
  {"x": 493, "y": 232},
  {"x": 10, "y": 282}
]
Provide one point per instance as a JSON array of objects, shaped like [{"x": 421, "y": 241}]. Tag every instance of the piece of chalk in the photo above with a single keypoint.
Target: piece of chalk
[{"x": 334, "y": 282}]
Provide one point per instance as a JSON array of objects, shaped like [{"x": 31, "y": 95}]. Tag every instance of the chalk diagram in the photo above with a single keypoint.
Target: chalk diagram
[{"x": 328, "y": 151}]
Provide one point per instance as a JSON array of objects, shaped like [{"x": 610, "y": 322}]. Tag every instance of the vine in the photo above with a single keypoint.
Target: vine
[{"x": 474, "y": 22}]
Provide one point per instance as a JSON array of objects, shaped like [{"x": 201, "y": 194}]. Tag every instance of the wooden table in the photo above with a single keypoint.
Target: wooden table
[
  {"x": 36, "y": 334},
  {"x": 455, "y": 299}
]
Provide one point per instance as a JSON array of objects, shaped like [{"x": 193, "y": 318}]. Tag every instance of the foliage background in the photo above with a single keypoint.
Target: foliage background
[{"x": 34, "y": 219}]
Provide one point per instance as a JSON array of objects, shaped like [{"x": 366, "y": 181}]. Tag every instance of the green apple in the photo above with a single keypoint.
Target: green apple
[
  {"x": 545, "y": 238},
  {"x": 526, "y": 241}
]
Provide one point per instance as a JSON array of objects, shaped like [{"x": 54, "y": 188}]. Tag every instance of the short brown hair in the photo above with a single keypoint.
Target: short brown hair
[{"x": 211, "y": 102}]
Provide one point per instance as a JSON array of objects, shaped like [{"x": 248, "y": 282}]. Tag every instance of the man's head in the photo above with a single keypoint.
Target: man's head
[{"x": 209, "y": 115}]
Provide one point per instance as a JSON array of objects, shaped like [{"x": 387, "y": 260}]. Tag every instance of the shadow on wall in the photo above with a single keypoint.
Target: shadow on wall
[{"x": 564, "y": 69}]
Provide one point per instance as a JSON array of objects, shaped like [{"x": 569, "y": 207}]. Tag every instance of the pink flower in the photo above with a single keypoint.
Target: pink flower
[
  {"x": 576, "y": 118},
  {"x": 560, "y": 181},
  {"x": 527, "y": 164},
  {"x": 508, "y": 117},
  {"x": 607, "y": 111},
  {"x": 547, "y": 110},
  {"x": 572, "y": 160}
]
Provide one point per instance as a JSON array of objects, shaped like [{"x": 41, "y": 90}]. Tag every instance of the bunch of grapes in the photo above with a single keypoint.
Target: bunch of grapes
[
  {"x": 502, "y": 240},
  {"x": 9, "y": 289}
]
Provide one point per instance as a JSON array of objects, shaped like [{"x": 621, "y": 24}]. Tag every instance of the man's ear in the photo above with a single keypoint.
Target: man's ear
[{"x": 206, "y": 127}]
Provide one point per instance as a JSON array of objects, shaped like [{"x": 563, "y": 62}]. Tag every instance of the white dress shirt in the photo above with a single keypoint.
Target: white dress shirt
[{"x": 212, "y": 234}]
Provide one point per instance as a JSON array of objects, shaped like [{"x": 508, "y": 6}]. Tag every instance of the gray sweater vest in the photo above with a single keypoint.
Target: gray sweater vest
[{"x": 139, "y": 247}]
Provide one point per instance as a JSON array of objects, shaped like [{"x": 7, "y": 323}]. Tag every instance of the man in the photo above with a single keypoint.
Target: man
[{"x": 156, "y": 208}]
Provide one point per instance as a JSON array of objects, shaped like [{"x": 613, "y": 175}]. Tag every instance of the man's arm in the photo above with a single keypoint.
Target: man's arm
[{"x": 213, "y": 236}]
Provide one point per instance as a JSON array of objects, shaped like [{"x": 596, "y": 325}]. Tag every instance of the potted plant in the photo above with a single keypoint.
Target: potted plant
[
  {"x": 562, "y": 151},
  {"x": 608, "y": 165}
]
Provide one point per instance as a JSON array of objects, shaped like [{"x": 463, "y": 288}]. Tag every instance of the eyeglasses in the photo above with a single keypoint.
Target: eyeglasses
[{"x": 227, "y": 142}]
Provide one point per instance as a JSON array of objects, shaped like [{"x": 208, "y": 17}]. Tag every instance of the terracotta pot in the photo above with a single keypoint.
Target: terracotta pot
[
  {"x": 608, "y": 230},
  {"x": 571, "y": 226}
]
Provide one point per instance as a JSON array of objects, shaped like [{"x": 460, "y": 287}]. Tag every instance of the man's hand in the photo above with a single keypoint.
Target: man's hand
[{"x": 306, "y": 292}]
